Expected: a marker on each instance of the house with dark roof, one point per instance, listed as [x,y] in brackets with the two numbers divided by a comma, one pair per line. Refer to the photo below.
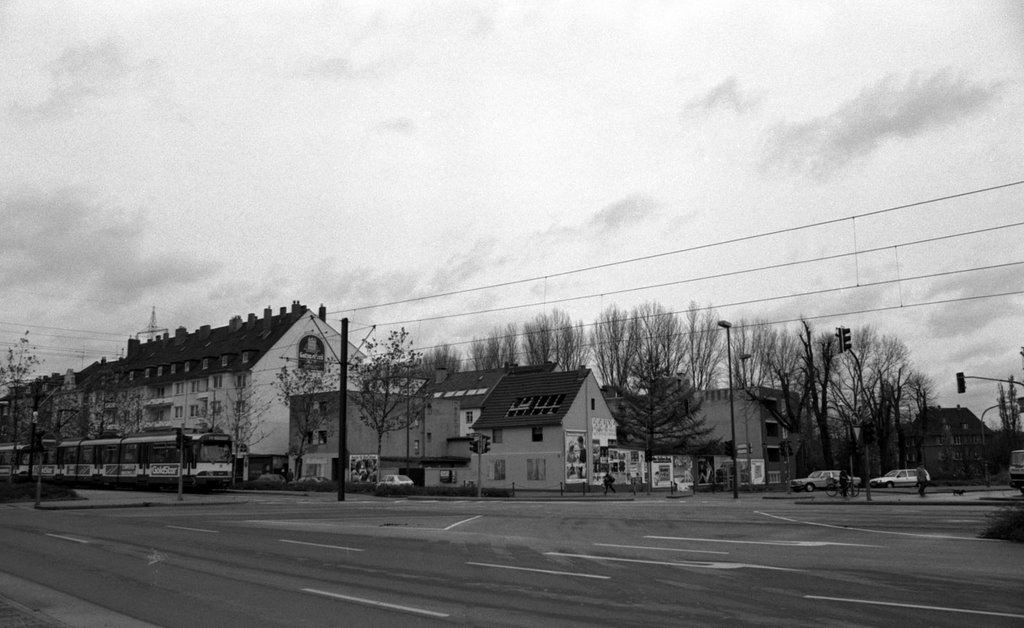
[547,429]
[950,442]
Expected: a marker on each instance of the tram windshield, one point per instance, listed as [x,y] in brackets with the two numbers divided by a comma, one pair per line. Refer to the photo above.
[219,451]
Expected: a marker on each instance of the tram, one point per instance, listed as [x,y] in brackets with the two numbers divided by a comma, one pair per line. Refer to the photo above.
[150,459]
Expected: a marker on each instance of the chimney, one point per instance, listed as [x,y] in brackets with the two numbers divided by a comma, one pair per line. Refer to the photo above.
[440,374]
[322,313]
[179,335]
[235,323]
[284,311]
[251,321]
[133,346]
[296,308]
[204,332]
[267,315]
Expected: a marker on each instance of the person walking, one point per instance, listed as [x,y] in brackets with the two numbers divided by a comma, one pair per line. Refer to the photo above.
[609,483]
[922,479]
[844,483]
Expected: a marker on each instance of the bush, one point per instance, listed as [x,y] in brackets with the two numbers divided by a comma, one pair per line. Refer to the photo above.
[26,491]
[1006,523]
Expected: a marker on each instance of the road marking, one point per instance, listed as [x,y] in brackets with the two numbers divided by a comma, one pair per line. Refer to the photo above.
[361,600]
[458,523]
[829,525]
[337,547]
[660,549]
[68,538]
[918,606]
[702,565]
[782,543]
[548,571]
[195,529]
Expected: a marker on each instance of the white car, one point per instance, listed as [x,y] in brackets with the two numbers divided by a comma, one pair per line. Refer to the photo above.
[818,480]
[396,480]
[898,477]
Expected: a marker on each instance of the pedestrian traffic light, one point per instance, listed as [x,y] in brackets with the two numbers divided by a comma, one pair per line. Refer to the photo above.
[845,344]
[961,383]
[867,432]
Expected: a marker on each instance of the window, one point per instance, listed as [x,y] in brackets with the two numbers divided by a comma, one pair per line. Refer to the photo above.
[147,372]
[321,437]
[159,371]
[957,440]
[179,412]
[131,376]
[771,429]
[130,453]
[535,469]
[535,405]
[593,403]
[215,408]
[223,360]
[416,446]
[199,385]
[206,363]
[186,366]
[774,477]
[245,357]
[469,417]
[538,434]
[179,388]
[174,369]
[497,470]
[160,392]
[497,435]
[193,410]
[240,381]
[218,381]
[428,436]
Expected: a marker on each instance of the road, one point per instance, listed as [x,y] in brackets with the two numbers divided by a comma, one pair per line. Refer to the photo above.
[294,560]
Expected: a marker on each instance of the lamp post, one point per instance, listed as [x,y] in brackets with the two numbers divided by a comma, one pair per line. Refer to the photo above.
[746,420]
[732,408]
[984,463]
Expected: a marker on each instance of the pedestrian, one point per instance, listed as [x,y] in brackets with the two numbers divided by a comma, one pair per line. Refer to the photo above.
[922,479]
[609,483]
[844,483]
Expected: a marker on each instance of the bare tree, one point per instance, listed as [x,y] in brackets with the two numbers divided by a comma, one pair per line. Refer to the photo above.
[818,357]
[15,371]
[242,417]
[704,350]
[299,389]
[386,380]
[499,348]
[661,351]
[613,341]
[921,391]
[443,356]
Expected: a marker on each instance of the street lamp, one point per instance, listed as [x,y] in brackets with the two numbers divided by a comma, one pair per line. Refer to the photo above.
[746,420]
[732,409]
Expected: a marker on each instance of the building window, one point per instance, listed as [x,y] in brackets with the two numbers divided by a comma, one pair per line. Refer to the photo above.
[496,471]
[179,412]
[497,435]
[193,411]
[771,429]
[536,470]
[159,371]
[186,366]
[957,440]
[179,388]
[218,381]
[593,403]
[245,357]
[240,381]
[131,376]
[538,434]
[206,363]
[174,369]
[215,408]
[223,360]
[429,435]
[416,446]
[321,437]
[774,477]
[469,417]
[147,372]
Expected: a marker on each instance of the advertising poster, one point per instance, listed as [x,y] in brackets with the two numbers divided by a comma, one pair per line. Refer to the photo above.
[363,468]
[661,468]
[575,457]
[682,472]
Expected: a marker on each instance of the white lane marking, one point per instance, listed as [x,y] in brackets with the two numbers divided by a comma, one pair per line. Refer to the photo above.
[668,563]
[458,523]
[829,525]
[155,557]
[782,543]
[361,600]
[195,529]
[68,538]
[548,571]
[337,547]
[660,549]
[917,606]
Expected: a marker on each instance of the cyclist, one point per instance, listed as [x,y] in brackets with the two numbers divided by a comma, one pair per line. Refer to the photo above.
[844,483]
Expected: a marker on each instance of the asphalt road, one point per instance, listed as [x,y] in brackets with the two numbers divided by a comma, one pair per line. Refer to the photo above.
[293,560]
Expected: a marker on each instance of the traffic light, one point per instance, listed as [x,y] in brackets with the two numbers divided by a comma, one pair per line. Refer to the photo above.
[179,438]
[961,383]
[485,444]
[867,432]
[727,447]
[845,344]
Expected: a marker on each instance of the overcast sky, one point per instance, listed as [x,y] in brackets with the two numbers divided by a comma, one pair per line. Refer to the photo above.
[213,159]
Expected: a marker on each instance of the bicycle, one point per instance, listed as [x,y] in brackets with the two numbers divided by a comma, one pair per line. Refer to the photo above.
[833,489]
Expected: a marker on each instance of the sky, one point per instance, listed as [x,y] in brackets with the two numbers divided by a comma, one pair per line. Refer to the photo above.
[450,167]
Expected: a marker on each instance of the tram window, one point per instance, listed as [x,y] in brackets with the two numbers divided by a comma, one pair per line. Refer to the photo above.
[130,453]
[215,452]
[108,455]
[163,453]
[5,457]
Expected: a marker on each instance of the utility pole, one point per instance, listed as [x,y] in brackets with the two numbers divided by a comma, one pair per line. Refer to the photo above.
[343,410]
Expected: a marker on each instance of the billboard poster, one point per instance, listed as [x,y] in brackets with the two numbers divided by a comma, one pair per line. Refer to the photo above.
[575,457]
[682,472]
[311,353]
[363,468]
[661,469]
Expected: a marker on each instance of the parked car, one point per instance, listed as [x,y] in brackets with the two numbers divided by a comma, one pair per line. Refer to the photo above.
[395,480]
[817,480]
[312,479]
[271,478]
[898,477]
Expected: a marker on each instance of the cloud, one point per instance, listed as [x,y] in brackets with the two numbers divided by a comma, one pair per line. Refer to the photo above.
[400,125]
[725,95]
[339,68]
[891,108]
[85,73]
[66,241]
[625,212]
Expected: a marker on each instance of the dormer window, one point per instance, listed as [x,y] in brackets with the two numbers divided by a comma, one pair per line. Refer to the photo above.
[186,366]
[159,371]
[147,371]
[245,357]
[224,360]
[206,363]
[131,376]
[174,367]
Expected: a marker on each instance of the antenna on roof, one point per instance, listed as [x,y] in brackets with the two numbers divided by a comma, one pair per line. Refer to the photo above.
[152,329]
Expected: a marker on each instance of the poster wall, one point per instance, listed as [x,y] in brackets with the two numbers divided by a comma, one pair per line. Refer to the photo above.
[363,468]
[575,457]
